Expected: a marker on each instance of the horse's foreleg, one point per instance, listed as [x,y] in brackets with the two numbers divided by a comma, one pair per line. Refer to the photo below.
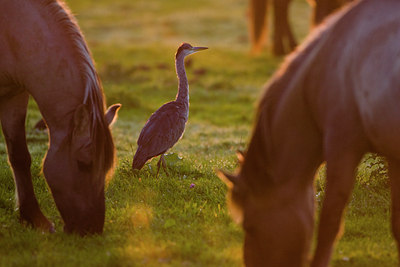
[341,167]
[279,16]
[290,40]
[394,174]
[258,24]
[284,40]
[13,113]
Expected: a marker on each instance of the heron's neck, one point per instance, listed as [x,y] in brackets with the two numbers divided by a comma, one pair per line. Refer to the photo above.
[183,86]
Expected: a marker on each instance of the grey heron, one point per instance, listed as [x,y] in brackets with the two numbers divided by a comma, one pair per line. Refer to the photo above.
[166,126]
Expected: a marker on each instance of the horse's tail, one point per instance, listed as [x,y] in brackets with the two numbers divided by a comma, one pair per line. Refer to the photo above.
[258,24]
[138,160]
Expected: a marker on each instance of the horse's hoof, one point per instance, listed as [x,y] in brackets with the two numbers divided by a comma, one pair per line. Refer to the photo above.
[50,228]
[39,222]
[46,226]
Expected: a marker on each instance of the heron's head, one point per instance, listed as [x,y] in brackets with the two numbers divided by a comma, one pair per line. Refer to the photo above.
[186,49]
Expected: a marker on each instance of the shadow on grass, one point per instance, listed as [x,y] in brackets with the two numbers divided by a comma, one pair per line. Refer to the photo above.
[359,261]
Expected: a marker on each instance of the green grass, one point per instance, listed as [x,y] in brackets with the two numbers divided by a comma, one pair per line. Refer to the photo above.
[153,222]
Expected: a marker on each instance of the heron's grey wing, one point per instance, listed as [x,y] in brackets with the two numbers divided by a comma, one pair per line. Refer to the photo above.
[163,129]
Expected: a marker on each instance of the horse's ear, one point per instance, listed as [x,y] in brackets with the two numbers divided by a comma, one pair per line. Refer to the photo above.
[229,179]
[235,197]
[81,135]
[111,114]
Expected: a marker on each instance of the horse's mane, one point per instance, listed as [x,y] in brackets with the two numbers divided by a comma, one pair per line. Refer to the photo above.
[291,75]
[93,94]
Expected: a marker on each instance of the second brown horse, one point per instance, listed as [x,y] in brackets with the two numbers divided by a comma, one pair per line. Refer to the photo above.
[283,38]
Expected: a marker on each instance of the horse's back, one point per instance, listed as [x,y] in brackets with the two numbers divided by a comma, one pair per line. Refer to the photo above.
[346,78]
[9,19]
[33,38]
[24,31]
[39,54]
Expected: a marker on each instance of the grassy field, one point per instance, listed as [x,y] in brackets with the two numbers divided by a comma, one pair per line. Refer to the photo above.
[165,221]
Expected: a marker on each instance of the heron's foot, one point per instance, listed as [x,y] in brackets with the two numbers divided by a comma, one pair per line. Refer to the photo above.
[162,162]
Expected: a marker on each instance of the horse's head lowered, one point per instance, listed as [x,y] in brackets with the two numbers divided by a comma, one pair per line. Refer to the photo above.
[245,209]
[273,225]
[76,169]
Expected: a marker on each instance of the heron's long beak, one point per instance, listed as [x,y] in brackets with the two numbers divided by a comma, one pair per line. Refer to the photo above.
[198,48]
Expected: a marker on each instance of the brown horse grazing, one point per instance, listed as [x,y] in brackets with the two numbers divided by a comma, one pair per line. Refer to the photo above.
[44,54]
[283,38]
[334,99]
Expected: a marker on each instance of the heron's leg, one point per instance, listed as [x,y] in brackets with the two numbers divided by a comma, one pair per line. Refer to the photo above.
[164,164]
[160,162]
[158,165]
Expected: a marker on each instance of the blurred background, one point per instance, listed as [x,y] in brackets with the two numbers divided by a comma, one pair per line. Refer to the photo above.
[221,24]
[134,42]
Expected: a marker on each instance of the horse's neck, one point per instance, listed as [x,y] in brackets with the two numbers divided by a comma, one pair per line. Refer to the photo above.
[282,132]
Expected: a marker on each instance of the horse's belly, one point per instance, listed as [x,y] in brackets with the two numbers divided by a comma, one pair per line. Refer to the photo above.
[379,110]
